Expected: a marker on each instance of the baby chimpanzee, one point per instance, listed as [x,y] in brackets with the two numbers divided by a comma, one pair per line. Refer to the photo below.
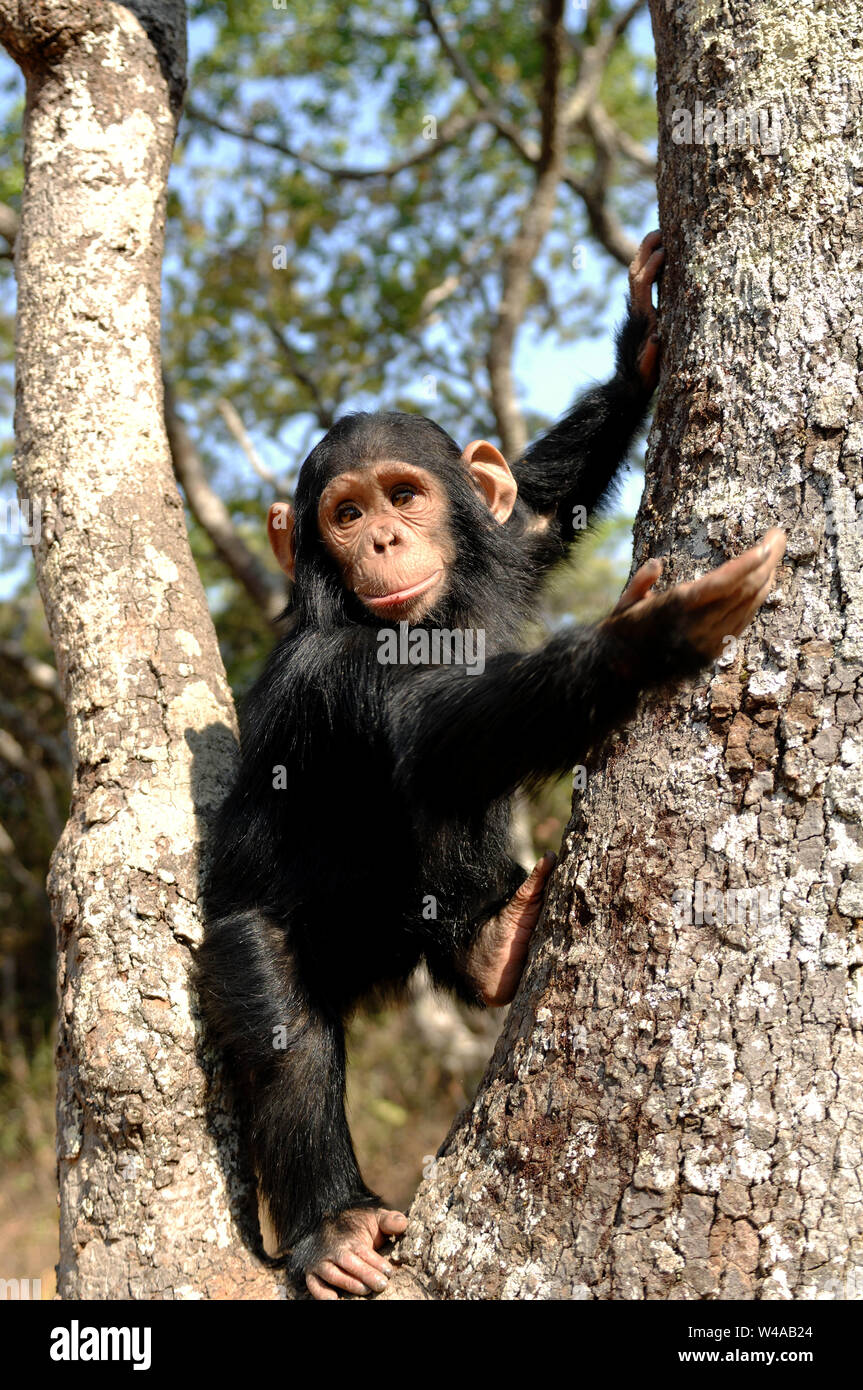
[367,830]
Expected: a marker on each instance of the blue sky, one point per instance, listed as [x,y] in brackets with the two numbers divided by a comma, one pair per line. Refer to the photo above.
[550,375]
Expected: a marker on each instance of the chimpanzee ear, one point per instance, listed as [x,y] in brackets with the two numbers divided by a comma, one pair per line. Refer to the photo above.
[491,475]
[280,529]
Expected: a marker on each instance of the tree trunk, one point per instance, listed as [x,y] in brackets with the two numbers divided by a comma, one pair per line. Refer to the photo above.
[146,1206]
[674,1108]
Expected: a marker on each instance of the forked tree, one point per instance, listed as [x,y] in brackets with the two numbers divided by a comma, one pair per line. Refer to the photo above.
[673,1108]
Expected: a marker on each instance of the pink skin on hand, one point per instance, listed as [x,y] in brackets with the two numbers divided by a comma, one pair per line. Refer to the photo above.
[718,605]
[498,957]
[351,1261]
[643,274]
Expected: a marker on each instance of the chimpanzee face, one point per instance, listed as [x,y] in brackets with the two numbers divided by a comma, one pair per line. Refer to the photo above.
[387,528]
[387,524]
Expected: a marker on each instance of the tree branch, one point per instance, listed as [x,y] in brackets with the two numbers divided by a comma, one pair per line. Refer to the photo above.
[28,731]
[232,419]
[449,130]
[15,867]
[594,190]
[438,295]
[212,515]
[14,756]
[324,412]
[488,107]
[603,222]
[621,140]
[525,245]
[8,224]
[593,62]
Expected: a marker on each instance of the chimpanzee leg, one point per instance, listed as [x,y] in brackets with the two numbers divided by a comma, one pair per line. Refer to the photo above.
[488,970]
[288,1056]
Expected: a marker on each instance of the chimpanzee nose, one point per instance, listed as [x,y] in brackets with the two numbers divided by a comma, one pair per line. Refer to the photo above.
[383,537]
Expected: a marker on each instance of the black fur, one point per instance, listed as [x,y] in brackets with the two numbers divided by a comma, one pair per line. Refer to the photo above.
[398,784]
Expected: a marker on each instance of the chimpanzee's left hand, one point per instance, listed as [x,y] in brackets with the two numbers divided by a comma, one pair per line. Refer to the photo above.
[643,273]
[705,611]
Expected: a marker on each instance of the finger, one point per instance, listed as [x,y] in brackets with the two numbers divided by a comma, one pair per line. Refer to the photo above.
[335,1276]
[368,1267]
[745,590]
[534,884]
[349,1274]
[648,359]
[726,579]
[741,616]
[541,873]
[379,1263]
[733,620]
[371,1268]
[645,250]
[651,267]
[318,1289]
[642,281]
[392,1223]
[359,1264]
[776,539]
[642,581]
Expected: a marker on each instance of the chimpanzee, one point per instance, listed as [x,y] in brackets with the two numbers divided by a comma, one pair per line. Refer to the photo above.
[367,829]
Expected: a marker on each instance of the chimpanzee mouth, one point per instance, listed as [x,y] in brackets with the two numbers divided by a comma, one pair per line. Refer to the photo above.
[397,597]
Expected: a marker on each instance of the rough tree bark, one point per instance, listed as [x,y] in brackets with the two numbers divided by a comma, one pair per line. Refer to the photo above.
[675,1107]
[146,1210]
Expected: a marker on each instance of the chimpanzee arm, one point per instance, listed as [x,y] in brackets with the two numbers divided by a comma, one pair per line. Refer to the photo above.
[461,741]
[575,463]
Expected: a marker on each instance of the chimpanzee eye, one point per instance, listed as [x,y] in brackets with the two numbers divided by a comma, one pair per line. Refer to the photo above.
[346,513]
[403,494]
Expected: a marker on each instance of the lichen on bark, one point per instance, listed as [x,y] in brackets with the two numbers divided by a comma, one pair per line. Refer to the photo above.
[674,1109]
[150,1185]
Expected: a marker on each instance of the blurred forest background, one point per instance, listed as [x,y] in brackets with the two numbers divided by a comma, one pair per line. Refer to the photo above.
[350,206]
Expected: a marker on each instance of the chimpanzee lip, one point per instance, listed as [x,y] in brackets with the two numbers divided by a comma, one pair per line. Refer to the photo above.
[399,596]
